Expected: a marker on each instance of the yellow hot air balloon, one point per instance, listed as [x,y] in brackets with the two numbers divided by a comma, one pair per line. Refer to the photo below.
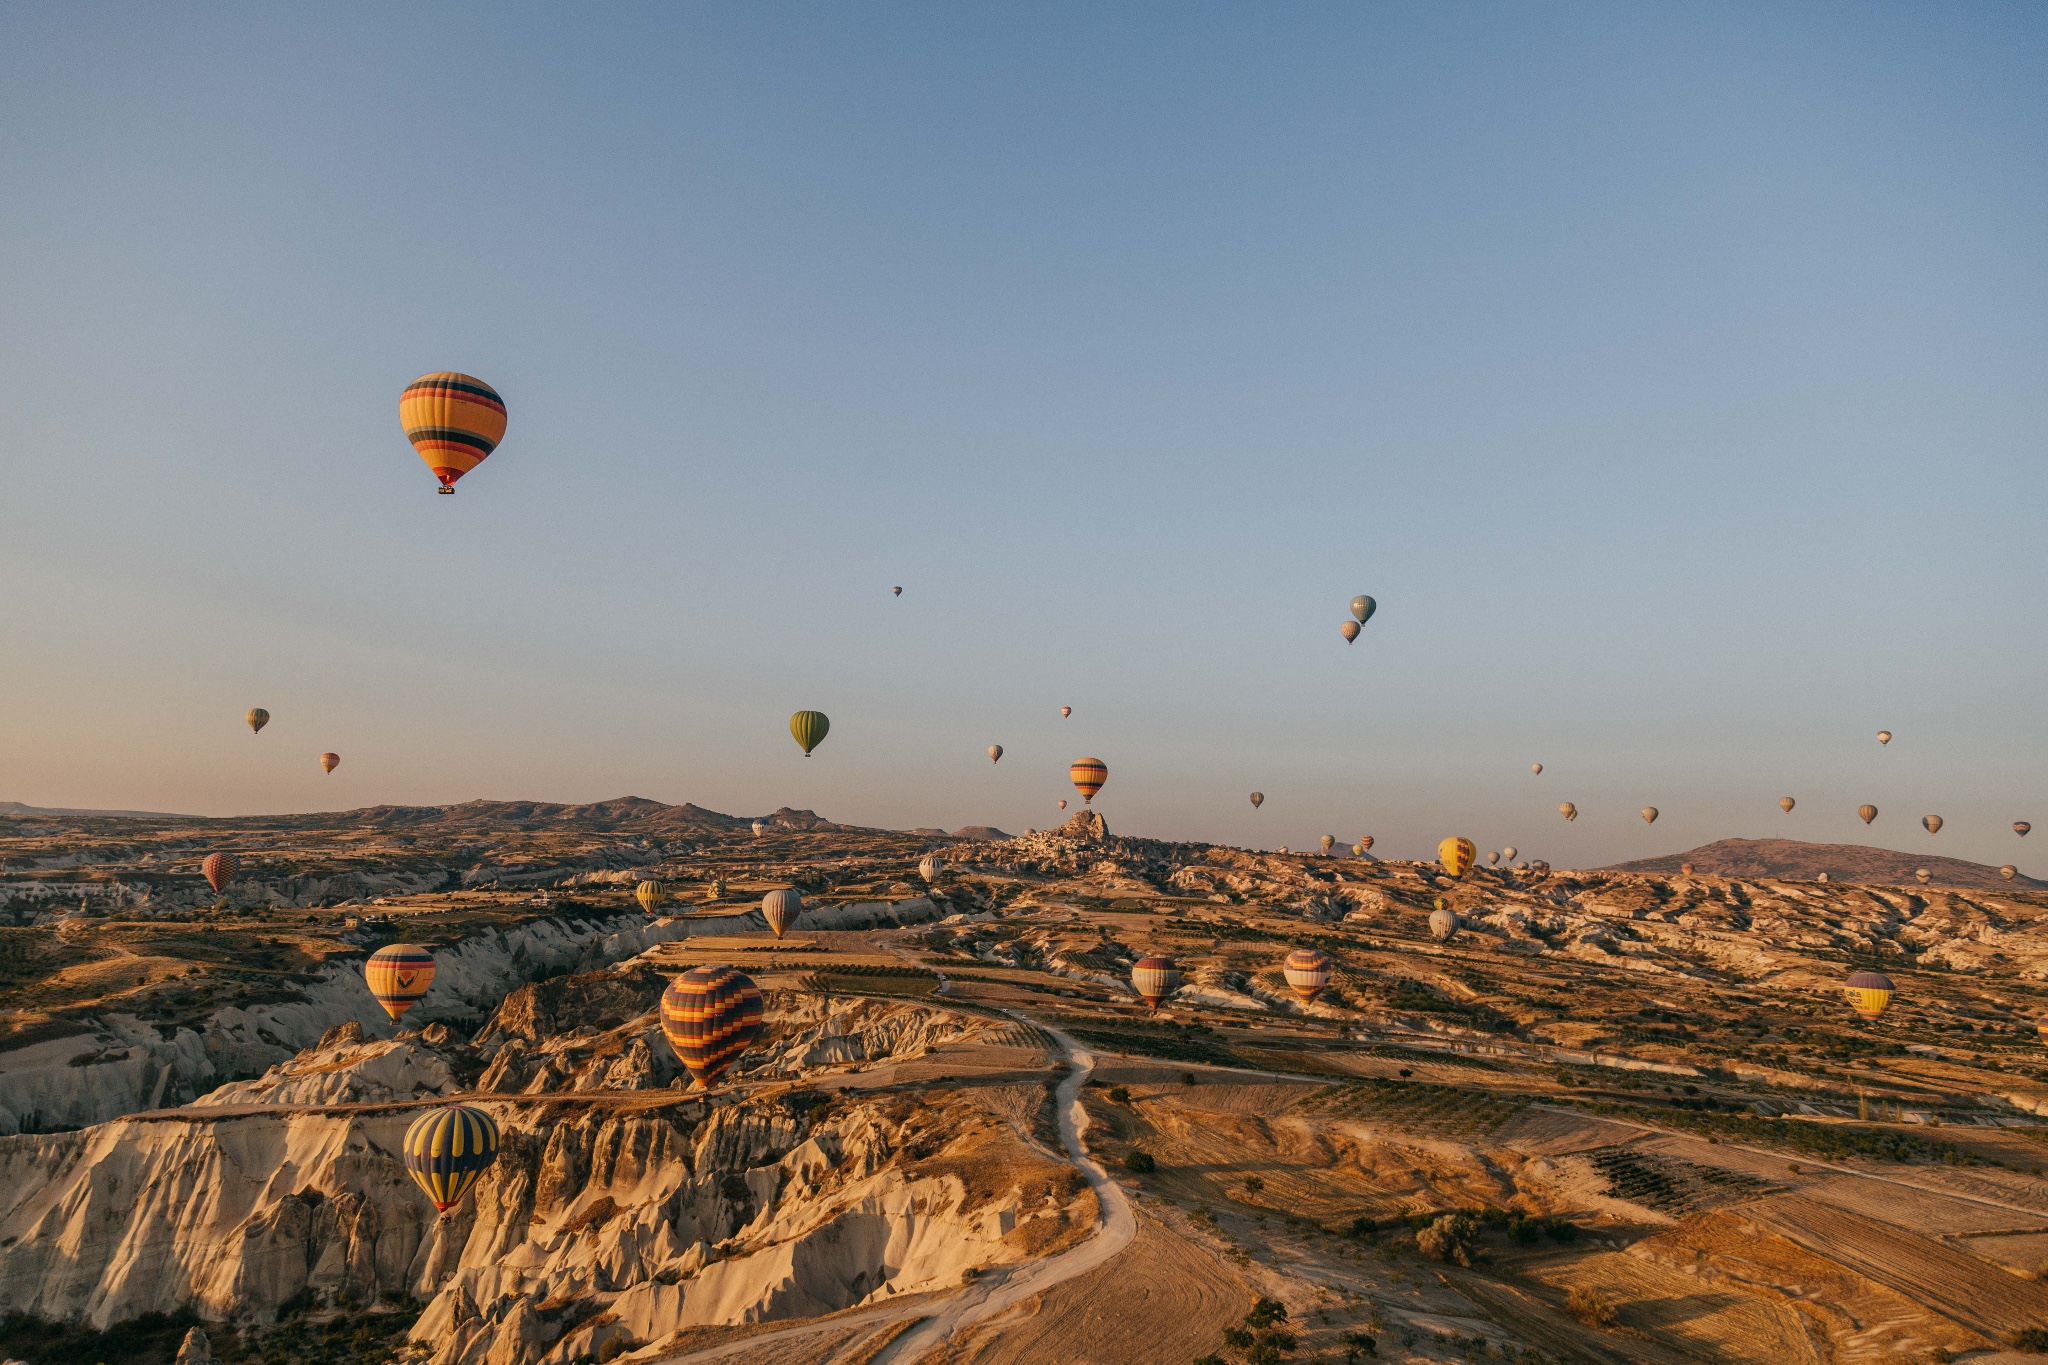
[1868,813]
[1088,775]
[1328,841]
[1922,875]
[650,895]
[398,974]
[1884,736]
[453,420]
[329,762]
[257,718]
[1568,811]
[447,1150]
[1456,853]
[1786,803]
[1649,815]
[1870,994]
[1931,823]
[809,727]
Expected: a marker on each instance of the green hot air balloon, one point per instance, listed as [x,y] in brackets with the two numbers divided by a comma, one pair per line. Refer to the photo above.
[1362,607]
[808,728]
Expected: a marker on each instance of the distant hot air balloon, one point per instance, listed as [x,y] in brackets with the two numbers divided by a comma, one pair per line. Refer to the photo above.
[2008,872]
[1456,854]
[2020,827]
[717,891]
[1649,815]
[1922,875]
[1365,841]
[1063,803]
[1884,736]
[329,762]
[1868,813]
[1685,869]
[219,869]
[1493,858]
[1258,799]
[1931,823]
[780,909]
[257,718]
[710,1015]
[1328,841]
[1088,775]
[650,895]
[1349,630]
[1154,978]
[1568,811]
[995,752]
[1443,923]
[398,975]
[1786,803]
[1358,850]
[896,592]
[1307,971]
[929,868]
[1362,608]
[1508,853]
[453,421]
[760,827]
[1870,994]
[1536,767]
[1820,877]
[809,728]
[1066,710]
[447,1150]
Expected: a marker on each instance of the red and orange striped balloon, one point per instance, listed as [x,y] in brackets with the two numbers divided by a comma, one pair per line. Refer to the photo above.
[220,869]
[710,1015]
[1154,978]
[1088,774]
[453,420]
[398,975]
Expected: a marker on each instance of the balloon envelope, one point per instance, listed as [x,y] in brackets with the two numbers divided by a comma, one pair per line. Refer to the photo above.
[1063,803]
[1786,803]
[1154,978]
[780,908]
[453,420]
[995,752]
[808,728]
[2008,872]
[447,1150]
[1362,608]
[1088,775]
[650,895]
[1457,853]
[1365,841]
[219,869]
[329,762]
[1568,811]
[928,868]
[1328,841]
[398,974]
[1307,971]
[257,718]
[1884,736]
[1932,823]
[1349,630]
[1870,994]
[896,592]
[710,1016]
[1649,815]
[2020,827]
[1258,799]
[1535,767]
[1868,813]
[760,827]
[1443,923]
[1922,876]
[1066,710]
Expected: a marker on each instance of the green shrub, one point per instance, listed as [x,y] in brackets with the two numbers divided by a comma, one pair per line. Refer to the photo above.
[2028,1339]
[1561,1229]
[1139,1162]
[1119,1094]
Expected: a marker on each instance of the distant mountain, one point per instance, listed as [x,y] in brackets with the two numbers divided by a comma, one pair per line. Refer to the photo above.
[979,832]
[1791,859]
[16,810]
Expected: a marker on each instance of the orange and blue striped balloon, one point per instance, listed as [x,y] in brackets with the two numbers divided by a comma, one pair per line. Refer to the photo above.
[448,1150]
[453,421]
[710,1015]
[398,975]
[1088,775]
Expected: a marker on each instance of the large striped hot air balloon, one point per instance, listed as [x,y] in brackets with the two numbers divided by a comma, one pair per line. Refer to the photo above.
[1456,853]
[257,718]
[650,895]
[929,867]
[1154,978]
[710,1015]
[398,974]
[219,869]
[808,728]
[1870,994]
[1088,774]
[447,1150]
[780,909]
[453,421]
[1307,971]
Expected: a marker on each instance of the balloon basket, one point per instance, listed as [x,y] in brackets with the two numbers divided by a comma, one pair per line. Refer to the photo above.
[449,491]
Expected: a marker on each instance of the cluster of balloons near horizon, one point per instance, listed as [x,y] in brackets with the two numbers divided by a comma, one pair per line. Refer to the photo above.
[257,718]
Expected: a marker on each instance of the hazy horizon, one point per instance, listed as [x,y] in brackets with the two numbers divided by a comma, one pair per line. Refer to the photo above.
[1673,381]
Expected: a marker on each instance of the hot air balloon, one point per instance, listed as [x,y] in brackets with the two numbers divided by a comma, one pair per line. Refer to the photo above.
[1358,850]
[447,1150]
[1365,841]
[1868,813]
[398,974]
[257,718]
[1921,875]
[1063,803]
[995,752]
[1349,630]
[1884,736]
[1568,811]
[1362,608]
[1328,841]
[929,868]
[1066,710]
[1154,978]
[1820,877]
[717,891]
[809,728]
[1931,823]
[760,827]
[453,421]
[329,762]
[1088,775]
[219,869]
[1443,923]
[1508,853]
[1456,854]
[780,909]
[1493,859]
[1685,869]
[1786,803]
[1649,815]
[710,1015]
[2020,827]
[1536,768]
[2008,872]
[650,895]
[896,592]
[1307,971]
[1258,799]
[1870,994]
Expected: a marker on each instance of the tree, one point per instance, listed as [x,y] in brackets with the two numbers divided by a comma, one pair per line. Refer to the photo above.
[1139,1162]
[1357,1344]
[1589,1306]
[1449,1239]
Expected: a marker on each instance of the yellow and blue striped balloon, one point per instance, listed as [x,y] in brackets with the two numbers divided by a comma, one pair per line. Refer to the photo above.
[710,1015]
[453,420]
[398,975]
[447,1151]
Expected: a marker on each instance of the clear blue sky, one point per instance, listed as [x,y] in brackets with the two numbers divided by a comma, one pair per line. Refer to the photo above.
[1673,376]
